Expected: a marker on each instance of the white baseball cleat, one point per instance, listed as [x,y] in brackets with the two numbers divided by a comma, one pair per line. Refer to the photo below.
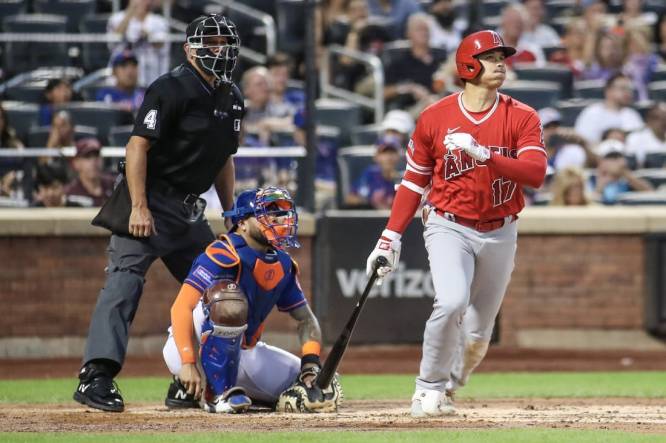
[431,403]
[234,401]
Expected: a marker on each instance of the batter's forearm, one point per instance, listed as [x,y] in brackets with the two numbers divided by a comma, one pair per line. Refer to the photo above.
[136,164]
[404,207]
[529,169]
[225,183]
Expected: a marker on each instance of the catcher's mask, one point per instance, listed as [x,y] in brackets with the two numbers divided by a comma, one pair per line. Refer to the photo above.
[274,209]
[214,43]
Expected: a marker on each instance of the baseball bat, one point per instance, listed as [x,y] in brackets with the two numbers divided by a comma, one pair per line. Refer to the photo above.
[340,345]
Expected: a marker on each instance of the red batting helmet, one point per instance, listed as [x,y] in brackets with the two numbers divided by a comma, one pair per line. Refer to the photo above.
[472,46]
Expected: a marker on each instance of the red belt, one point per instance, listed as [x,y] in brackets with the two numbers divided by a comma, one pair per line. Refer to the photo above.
[479,225]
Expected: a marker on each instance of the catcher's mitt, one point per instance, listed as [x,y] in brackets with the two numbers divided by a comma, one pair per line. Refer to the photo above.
[301,398]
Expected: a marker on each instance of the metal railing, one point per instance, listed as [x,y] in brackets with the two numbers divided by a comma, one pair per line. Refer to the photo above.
[29,156]
[376,102]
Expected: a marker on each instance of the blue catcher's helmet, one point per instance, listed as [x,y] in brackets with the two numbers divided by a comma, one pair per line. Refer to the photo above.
[275,211]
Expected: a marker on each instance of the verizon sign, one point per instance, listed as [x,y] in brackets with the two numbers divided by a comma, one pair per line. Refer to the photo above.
[397,310]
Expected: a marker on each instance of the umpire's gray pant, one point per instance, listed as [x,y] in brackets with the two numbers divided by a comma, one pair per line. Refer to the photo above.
[178,242]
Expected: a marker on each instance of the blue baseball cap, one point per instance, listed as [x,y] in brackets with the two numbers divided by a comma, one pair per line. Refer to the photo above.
[123,57]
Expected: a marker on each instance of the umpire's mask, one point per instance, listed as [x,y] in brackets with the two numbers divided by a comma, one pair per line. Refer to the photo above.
[215,44]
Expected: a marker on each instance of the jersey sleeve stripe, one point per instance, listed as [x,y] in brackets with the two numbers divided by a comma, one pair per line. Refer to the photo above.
[412,163]
[412,186]
[416,171]
[531,148]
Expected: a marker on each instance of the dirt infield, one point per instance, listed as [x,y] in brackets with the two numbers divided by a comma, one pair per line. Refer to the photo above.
[635,415]
[384,360]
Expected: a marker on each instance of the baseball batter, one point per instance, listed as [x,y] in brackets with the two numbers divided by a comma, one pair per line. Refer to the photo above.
[475,149]
[228,293]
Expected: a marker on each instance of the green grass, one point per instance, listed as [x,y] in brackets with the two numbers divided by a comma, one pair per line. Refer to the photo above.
[448,436]
[386,387]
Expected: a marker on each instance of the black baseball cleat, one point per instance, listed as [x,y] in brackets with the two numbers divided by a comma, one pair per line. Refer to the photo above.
[178,398]
[97,390]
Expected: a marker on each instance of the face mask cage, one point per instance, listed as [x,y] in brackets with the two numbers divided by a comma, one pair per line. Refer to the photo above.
[275,212]
[216,47]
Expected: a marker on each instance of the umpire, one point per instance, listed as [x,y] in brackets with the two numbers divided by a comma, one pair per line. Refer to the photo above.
[184,136]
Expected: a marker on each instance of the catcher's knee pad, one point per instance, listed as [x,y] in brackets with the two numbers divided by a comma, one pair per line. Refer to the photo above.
[226,307]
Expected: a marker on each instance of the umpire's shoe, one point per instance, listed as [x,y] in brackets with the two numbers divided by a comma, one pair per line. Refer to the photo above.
[178,398]
[97,390]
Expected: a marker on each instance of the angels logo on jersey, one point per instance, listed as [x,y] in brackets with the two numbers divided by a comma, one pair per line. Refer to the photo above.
[457,162]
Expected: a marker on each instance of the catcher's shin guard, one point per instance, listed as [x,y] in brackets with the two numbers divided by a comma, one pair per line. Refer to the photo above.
[219,359]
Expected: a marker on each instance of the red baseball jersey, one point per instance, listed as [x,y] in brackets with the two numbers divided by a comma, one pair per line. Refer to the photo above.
[460,184]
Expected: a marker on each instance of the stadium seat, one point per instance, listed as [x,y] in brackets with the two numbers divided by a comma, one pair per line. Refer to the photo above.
[338,113]
[548,51]
[492,8]
[642,198]
[589,89]
[38,136]
[655,160]
[29,86]
[550,72]
[100,115]
[251,31]
[659,74]
[537,94]
[25,56]
[94,55]
[559,8]
[632,162]
[654,174]
[74,10]
[657,90]
[32,92]
[290,23]
[22,116]
[571,108]
[12,7]
[351,163]
[397,48]
[365,135]
[120,135]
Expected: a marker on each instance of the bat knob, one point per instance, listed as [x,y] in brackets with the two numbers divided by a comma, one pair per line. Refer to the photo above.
[381,262]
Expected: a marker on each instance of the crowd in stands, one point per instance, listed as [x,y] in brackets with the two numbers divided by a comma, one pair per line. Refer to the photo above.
[605,131]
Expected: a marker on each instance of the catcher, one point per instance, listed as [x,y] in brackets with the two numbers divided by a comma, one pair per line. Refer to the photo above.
[230,290]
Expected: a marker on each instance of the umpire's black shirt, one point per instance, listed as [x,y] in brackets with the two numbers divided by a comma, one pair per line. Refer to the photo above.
[192,129]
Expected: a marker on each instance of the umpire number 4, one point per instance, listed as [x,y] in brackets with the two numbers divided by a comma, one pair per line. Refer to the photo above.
[151,119]
[502,191]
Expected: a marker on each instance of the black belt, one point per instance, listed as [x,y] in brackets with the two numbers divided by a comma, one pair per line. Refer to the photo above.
[167,190]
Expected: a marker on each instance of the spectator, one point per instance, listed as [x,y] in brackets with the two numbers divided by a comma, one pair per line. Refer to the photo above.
[536,30]
[409,77]
[568,188]
[147,34]
[565,148]
[641,61]
[126,92]
[633,16]
[652,138]
[91,187]
[8,137]
[660,36]
[446,29]
[61,134]
[376,185]
[279,67]
[513,24]
[49,187]
[397,126]
[613,112]
[608,56]
[263,116]
[58,92]
[610,145]
[8,166]
[399,11]
[573,52]
[614,178]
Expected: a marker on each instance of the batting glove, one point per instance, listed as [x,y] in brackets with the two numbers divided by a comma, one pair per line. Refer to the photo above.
[388,247]
[467,143]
